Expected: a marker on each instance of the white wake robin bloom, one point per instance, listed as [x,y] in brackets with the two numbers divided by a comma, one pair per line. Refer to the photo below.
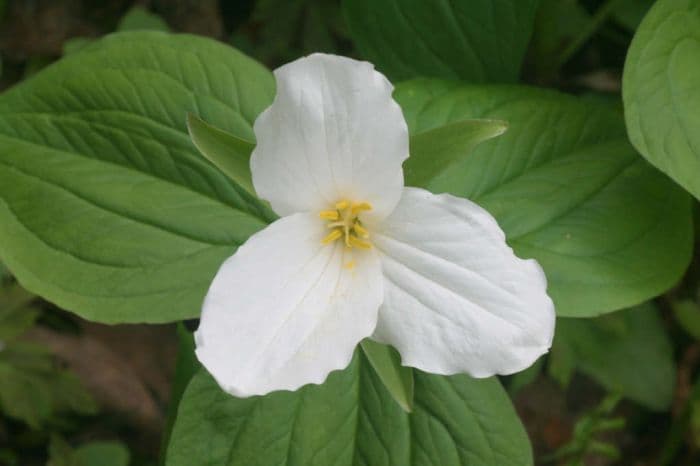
[356,254]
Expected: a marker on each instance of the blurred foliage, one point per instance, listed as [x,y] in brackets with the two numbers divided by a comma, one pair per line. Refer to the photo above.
[627,352]
[279,31]
[687,314]
[88,454]
[136,19]
[586,436]
[140,19]
[629,13]
[32,388]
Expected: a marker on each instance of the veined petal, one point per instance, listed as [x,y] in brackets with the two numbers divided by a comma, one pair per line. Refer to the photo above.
[285,310]
[457,299]
[333,132]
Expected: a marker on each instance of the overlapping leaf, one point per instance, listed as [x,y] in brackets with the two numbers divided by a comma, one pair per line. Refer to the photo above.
[106,207]
[569,191]
[661,91]
[351,420]
[473,40]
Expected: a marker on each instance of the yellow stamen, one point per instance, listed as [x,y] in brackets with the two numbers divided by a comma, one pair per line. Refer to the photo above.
[350,265]
[332,236]
[360,206]
[357,242]
[361,231]
[329,214]
[344,222]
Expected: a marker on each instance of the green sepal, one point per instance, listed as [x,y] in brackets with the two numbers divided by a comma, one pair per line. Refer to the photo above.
[227,152]
[397,379]
[434,150]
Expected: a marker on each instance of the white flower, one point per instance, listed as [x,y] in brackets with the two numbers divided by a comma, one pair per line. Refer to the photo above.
[356,254]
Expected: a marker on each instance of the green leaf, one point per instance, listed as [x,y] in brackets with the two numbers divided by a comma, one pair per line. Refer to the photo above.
[69,395]
[106,207]
[285,30]
[629,13]
[435,150]
[557,25]
[60,452]
[229,153]
[102,454]
[4,273]
[186,366]
[15,314]
[88,454]
[627,352]
[351,419]
[23,395]
[76,44]
[687,314]
[609,230]
[397,379]
[522,379]
[661,92]
[140,19]
[473,40]
[32,389]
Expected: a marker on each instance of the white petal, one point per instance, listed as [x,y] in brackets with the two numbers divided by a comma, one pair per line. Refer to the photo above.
[333,132]
[457,299]
[285,310]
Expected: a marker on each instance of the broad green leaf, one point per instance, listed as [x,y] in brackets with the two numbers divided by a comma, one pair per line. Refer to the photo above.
[435,150]
[351,420]
[397,379]
[473,40]
[139,19]
[609,230]
[106,207]
[229,153]
[661,92]
[628,352]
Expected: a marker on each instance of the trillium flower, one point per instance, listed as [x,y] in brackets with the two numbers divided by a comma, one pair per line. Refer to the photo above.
[355,254]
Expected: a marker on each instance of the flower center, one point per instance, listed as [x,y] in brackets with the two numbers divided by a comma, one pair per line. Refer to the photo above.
[344,223]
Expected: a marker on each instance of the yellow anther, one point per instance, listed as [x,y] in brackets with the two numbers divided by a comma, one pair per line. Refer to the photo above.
[332,236]
[361,231]
[344,222]
[350,265]
[357,242]
[360,206]
[329,214]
